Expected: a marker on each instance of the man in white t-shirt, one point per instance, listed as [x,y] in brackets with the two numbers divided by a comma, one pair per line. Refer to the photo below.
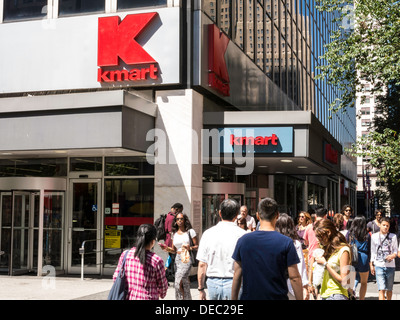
[215,253]
[251,222]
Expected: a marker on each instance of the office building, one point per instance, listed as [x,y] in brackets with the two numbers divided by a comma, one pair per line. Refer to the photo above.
[113,110]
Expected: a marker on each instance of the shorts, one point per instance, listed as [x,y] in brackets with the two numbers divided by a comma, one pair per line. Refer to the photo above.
[336,296]
[384,278]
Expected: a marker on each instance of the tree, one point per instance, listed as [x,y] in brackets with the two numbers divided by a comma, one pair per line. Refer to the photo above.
[365,47]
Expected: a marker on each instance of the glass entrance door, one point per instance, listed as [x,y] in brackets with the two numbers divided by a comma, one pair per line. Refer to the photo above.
[213,195]
[85,225]
[19,211]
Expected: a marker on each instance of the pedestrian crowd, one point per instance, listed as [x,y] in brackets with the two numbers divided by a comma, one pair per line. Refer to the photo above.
[267,257]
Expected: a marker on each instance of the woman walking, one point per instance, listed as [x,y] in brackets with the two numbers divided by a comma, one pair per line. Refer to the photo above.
[304,220]
[144,269]
[182,232]
[336,259]
[358,234]
[285,225]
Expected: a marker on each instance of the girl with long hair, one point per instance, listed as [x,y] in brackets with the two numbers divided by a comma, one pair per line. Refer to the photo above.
[285,225]
[359,235]
[304,219]
[336,259]
[144,269]
[182,232]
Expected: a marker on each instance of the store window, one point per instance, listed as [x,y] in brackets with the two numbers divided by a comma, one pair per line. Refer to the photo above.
[129,4]
[69,7]
[21,10]
[128,166]
[56,167]
[86,164]
[280,192]
[128,203]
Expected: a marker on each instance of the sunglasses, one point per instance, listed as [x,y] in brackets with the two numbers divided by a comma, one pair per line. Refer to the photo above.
[179,219]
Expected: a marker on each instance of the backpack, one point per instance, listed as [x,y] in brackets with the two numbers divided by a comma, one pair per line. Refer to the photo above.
[160,226]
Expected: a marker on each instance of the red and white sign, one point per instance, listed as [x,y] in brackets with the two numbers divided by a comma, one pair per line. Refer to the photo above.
[218,77]
[117,43]
[331,154]
[258,141]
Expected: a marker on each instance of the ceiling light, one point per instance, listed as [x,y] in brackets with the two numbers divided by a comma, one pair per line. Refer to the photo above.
[286,160]
[302,167]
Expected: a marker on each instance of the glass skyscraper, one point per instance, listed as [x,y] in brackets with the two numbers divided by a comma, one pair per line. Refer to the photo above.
[285,39]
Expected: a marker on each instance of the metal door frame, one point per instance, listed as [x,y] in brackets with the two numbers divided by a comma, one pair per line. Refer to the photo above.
[32,185]
[77,269]
[30,227]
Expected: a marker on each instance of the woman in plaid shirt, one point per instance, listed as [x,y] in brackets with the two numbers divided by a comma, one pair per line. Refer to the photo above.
[144,269]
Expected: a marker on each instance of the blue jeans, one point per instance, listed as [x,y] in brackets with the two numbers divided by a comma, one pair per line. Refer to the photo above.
[384,278]
[219,288]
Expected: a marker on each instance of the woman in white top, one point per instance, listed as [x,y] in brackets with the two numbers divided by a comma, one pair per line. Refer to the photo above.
[285,225]
[181,229]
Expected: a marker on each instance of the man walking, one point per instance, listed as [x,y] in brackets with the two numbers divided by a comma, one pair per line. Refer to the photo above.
[169,221]
[215,253]
[265,259]
[244,213]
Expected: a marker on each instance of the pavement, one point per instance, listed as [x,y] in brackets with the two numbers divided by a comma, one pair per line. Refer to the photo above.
[26,287]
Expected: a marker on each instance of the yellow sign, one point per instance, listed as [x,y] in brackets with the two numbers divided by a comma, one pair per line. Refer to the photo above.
[112,239]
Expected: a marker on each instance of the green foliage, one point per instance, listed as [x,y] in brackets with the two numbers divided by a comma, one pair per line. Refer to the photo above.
[366,46]
[382,151]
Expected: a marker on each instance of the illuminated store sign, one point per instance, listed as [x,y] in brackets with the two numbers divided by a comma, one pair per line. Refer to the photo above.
[117,43]
[257,139]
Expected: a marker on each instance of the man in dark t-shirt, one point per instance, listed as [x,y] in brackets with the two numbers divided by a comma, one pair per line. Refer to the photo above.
[264,259]
[169,221]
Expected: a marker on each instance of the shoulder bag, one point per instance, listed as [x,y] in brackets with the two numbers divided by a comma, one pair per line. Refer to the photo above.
[354,251]
[119,289]
[193,253]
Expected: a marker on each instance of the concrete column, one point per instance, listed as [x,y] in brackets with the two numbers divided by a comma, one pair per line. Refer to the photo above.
[178,168]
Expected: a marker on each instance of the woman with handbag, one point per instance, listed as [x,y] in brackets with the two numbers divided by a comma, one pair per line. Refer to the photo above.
[144,270]
[359,235]
[181,245]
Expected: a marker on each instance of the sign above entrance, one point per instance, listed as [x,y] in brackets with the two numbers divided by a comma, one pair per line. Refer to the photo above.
[117,41]
[218,77]
[257,139]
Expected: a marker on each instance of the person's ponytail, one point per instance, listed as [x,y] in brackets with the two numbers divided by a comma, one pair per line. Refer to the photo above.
[145,234]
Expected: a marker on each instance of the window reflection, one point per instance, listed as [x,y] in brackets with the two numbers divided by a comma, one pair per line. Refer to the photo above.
[67,7]
[128,4]
[22,9]
[285,39]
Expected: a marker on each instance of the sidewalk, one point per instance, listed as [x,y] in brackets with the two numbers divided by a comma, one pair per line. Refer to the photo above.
[73,288]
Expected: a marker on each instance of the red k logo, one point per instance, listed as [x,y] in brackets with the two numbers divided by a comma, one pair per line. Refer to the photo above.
[218,77]
[116,39]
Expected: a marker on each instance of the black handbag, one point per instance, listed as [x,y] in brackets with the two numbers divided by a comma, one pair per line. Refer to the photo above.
[193,253]
[119,289]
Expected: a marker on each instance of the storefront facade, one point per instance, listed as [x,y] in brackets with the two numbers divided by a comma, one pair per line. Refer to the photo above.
[113,118]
